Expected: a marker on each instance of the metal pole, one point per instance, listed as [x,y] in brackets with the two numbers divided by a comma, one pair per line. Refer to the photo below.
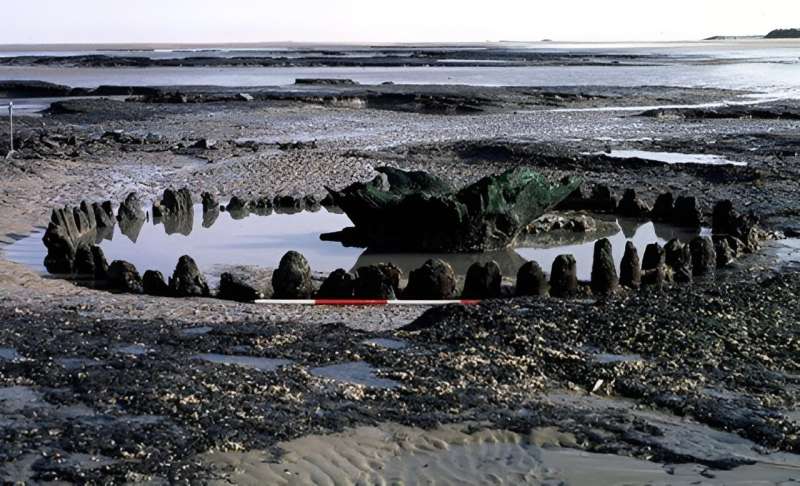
[364,302]
[11,126]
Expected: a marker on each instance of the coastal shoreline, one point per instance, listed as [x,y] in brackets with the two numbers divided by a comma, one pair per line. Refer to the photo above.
[130,367]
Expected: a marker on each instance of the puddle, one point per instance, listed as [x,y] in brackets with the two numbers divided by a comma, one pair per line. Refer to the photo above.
[9,354]
[387,343]
[77,363]
[787,251]
[605,358]
[29,468]
[133,349]
[261,241]
[196,331]
[16,398]
[19,399]
[260,364]
[140,419]
[672,157]
[249,239]
[682,435]
[356,373]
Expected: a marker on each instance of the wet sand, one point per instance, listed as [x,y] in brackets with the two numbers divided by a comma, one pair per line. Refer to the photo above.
[469,454]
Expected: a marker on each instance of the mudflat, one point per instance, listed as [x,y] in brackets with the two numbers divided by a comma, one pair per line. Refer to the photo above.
[627,388]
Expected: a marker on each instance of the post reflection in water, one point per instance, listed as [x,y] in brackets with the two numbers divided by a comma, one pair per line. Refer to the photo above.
[217,240]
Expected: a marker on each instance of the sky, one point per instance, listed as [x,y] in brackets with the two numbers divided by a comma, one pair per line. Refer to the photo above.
[208,21]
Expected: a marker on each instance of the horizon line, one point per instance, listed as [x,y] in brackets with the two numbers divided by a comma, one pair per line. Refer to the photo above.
[156,44]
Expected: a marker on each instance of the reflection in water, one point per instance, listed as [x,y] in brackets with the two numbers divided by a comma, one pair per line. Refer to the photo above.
[250,240]
[629,227]
[131,228]
[217,239]
[644,234]
[181,223]
[210,217]
[104,233]
[508,260]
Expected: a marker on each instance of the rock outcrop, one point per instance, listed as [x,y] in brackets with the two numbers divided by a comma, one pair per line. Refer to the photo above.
[783,34]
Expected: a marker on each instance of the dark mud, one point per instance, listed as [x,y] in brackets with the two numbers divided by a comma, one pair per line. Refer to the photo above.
[90,394]
[732,366]
[430,99]
[772,111]
[368,57]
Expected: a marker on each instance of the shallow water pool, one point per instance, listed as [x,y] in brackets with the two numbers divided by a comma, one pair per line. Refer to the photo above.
[355,373]
[673,157]
[9,354]
[249,240]
[252,362]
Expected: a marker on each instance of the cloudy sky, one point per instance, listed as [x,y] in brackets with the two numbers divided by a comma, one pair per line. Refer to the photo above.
[106,21]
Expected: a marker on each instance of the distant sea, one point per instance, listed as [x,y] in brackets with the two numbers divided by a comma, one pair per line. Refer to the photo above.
[765,66]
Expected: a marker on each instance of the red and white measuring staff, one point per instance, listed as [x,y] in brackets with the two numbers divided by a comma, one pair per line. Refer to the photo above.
[364,302]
